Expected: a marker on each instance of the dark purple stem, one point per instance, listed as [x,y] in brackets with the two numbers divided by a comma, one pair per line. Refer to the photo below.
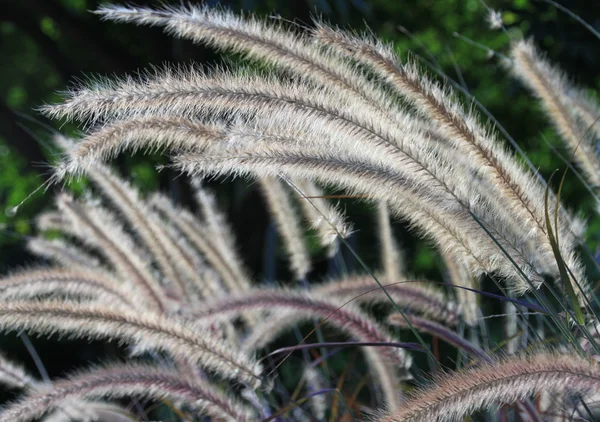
[410,346]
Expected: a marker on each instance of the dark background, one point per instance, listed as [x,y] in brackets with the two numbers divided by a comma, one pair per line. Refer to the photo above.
[47,44]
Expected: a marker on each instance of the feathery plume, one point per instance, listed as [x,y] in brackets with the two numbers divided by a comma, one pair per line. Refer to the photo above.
[221,235]
[266,42]
[149,133]
[459,275]
[75,283]
[191,267]
[147,331]
[391,259]
[551,86]
[327,220]
[585,108]
[127,380]
[461,393]
[14,375]
[63,253]
[523,195]
[146,224]
[53,220]
[99,229]
[511,327]
[89,411]
[288,226]
[315,382]
[199,238]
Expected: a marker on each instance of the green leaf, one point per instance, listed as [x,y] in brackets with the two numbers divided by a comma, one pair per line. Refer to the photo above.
[562,268]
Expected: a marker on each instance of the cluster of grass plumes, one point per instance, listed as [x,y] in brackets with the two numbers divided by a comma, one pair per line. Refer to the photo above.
[332,110]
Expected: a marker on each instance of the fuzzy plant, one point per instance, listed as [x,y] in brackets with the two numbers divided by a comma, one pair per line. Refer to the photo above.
[327,109]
